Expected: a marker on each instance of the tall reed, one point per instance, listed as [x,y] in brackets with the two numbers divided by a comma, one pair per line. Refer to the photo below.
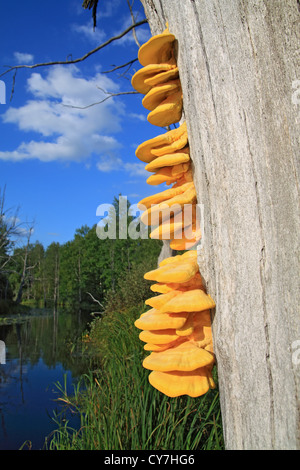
[118,408]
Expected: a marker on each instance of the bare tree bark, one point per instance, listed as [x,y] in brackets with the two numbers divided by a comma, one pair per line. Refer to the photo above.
[238,68]
[25,267]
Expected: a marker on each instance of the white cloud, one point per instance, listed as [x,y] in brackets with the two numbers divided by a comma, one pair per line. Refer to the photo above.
[136,169]
[111,162]
[23,57]
[140,117]
[96,36]
[64,132]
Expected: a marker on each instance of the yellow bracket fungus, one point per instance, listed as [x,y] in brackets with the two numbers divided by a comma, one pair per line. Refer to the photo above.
[159,49]
[159,93]
[185,357]
[155,320]
[174,384]
[163,144]
[168,112]
[163,196]
[147,77]
[191,301]
[170,159]
[177,328]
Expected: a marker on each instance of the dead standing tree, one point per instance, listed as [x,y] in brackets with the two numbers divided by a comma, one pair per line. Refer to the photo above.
[238,70]
[238,63]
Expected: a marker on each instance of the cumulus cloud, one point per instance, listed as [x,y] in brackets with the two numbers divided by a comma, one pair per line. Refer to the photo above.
[23,58]
[63,130]
[110,162]
[136,169]
[96,36]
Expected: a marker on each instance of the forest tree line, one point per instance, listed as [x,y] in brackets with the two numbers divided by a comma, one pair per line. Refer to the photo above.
[85,272]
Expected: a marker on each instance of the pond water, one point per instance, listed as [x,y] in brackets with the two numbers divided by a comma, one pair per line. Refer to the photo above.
[39,353]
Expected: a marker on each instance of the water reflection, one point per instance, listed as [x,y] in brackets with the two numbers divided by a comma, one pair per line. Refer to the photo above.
[40,350]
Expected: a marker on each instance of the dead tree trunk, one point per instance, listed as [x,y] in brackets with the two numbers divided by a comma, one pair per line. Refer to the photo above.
[238,68]
[25,268]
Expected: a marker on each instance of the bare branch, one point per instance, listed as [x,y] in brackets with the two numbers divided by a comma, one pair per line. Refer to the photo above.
[133,22]
[80,59]
[110,95]
[121,66]
[95,300]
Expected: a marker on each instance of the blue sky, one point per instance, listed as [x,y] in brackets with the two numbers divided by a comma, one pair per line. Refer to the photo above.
[59,163]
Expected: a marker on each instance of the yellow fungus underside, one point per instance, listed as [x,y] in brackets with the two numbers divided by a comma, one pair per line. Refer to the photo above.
[174,384]
[167,112]
[185,357]
[190,301]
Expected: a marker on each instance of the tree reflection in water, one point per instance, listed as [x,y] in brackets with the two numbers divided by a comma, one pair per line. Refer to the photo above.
[40,350]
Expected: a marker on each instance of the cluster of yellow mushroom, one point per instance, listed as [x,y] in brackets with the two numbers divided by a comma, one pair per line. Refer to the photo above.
[177,328]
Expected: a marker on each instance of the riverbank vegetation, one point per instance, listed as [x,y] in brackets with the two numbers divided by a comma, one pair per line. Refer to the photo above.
[117,407]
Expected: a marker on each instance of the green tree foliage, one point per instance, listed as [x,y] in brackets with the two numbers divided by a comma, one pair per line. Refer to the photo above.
[86,268]
[8,231]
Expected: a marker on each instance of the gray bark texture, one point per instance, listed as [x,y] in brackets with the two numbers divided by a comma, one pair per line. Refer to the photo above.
[239,70]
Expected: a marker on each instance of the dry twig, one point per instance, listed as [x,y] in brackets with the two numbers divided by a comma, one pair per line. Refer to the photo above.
[80,59]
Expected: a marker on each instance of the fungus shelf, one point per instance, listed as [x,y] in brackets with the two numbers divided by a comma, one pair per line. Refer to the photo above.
[177,329]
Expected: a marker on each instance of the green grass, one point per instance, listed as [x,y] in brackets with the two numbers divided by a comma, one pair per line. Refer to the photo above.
[120,410]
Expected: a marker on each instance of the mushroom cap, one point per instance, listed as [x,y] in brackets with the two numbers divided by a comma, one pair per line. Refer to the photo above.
[157,94]
[166,175]
[174,384]
[186,356]
[175,269]
[159,300]
[165,143]
[157,49]
[184,243]
[180,168]
[160,211]
[186,178]
[180,156]
[195,283]
[167,265]
[186,238]
[187,328]
[173,273]
[148,201]
[163,76]
[155,347]
[189,256]
[144,79]
[168,112]
[166,229]
[158,336]
[161,288]
[155,320]
[163,347]
[190,301]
